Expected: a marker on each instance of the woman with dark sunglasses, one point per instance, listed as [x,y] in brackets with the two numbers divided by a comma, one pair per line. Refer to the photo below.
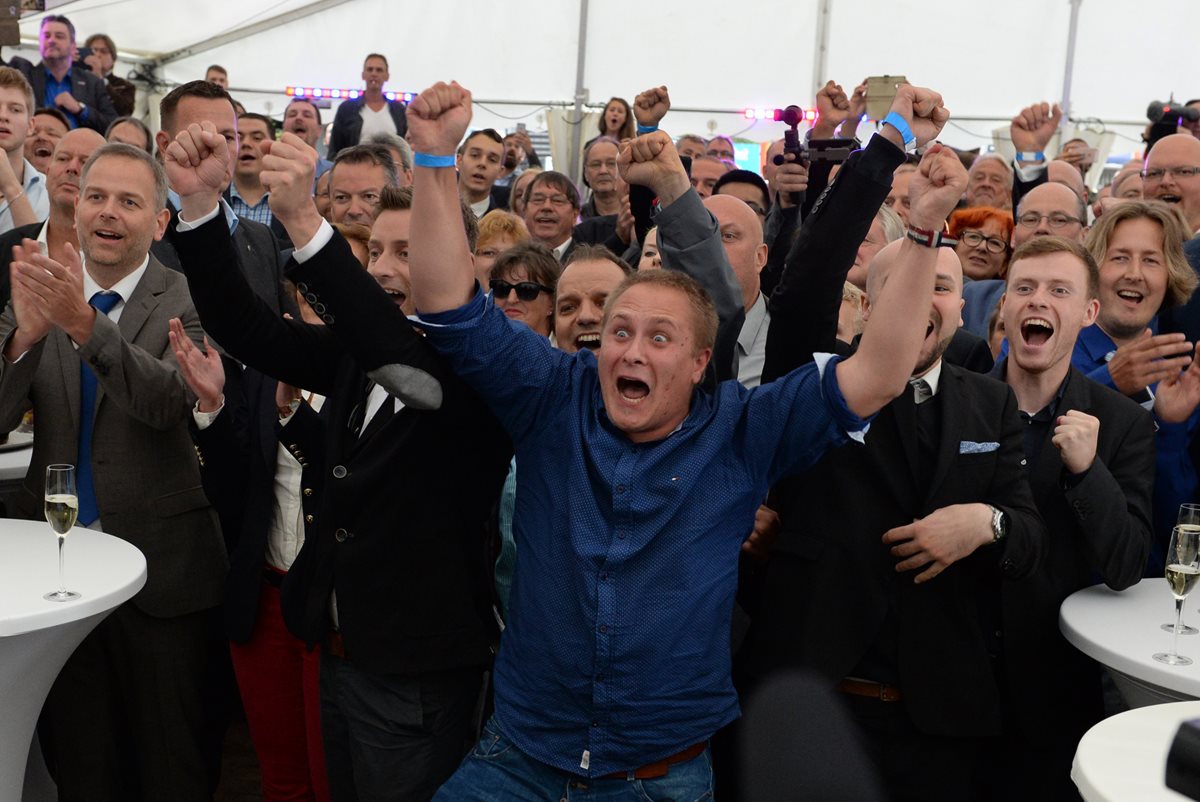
[522,285]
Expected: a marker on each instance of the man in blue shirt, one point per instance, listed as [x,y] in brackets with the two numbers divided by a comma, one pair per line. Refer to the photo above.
[57,83]
[636,488]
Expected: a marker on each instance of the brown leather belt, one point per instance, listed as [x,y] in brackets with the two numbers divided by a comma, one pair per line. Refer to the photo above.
[662,767]
[869,689]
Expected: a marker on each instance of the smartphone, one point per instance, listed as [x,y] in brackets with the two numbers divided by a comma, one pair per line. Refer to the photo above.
[84,52]
[881,91]
[520,127]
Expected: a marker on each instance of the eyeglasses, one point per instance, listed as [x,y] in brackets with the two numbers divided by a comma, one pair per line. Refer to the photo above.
[973,239]
[1157,173]
[526,290]
[1056,220]
[553,200]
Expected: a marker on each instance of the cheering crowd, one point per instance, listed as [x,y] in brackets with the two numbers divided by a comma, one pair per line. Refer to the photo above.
[493,490]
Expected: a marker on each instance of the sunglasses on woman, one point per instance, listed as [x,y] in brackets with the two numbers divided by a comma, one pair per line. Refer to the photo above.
[526,290]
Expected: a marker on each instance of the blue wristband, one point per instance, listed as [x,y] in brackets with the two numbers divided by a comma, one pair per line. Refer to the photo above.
[896,121]
[430,160]
[646,129]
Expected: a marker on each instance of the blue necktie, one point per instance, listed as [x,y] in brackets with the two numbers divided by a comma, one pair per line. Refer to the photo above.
[88,511]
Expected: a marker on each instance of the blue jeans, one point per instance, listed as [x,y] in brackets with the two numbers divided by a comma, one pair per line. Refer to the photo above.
[496,771]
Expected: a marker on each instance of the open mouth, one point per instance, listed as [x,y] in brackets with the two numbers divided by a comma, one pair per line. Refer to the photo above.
[1132,296]
[106,234]
[1169,198]
[1036,331]
[929,329]
[633,390]
[589,340]
[396,295]
[43,151]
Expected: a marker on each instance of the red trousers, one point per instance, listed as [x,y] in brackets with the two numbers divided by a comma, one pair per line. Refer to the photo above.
[278,681]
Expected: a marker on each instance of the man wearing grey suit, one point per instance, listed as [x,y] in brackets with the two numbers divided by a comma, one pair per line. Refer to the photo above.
[124,719]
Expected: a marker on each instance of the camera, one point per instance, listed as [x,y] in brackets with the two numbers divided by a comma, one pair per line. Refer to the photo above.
[1165,119]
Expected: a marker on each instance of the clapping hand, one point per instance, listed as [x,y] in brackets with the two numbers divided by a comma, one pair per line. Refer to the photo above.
[201,370]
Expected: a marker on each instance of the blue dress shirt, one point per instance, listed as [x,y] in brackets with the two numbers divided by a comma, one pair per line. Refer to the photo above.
[617,648]
[54,88]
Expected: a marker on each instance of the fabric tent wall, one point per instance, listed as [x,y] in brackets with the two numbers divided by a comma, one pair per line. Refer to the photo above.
[717,57]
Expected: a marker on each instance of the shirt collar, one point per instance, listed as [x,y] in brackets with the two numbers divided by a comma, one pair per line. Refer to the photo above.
[231,217]
[932,377]
[32,176]
[233,191]
[124,287]
[755,317]
[561,249]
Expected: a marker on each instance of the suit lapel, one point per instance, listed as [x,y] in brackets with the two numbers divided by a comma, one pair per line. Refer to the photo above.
[953,409]
[138,306]
[894,433]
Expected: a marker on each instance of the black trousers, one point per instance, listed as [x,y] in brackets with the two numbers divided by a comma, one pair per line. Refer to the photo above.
[917,767]
[125,719]
[394,737]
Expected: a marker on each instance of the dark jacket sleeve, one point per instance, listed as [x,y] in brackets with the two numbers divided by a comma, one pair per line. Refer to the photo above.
[300,354]
[1112,503]
[346,127]
[100,108]
[689,240]
[1021,188]
[805,302]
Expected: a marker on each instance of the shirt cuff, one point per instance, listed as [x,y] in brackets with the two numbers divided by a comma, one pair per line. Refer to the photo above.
[855,427]
[467,314]
[1029,172]
[188,225]
[314,245]
[205,419]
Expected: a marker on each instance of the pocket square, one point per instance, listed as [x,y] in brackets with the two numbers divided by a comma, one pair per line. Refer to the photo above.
[971,447]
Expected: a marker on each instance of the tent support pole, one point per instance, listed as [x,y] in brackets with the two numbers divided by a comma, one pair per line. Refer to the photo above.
[581,95]
[821,49]
[1069,69]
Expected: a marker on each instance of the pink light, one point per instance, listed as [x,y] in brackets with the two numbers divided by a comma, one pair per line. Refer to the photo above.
[810,114]
[750,114]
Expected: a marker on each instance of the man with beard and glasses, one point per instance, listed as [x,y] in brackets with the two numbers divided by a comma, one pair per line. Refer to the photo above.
[927,519]
[519,155]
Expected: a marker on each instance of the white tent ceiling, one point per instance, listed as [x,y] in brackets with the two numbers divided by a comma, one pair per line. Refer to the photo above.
[987,59]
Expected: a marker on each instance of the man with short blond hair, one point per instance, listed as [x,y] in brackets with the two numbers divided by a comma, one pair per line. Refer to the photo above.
[24,189]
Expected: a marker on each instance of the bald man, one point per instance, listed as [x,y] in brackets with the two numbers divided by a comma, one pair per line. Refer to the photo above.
[1165,179]
[62,185]
[742,236]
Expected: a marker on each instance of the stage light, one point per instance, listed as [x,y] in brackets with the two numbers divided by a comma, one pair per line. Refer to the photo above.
[341,94]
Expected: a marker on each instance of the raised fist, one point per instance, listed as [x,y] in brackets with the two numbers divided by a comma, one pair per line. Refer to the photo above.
[651,161]
[651,106]
[197,161]
[1034,127]
[936,188]
[438,119]
[833,108]
[922,109]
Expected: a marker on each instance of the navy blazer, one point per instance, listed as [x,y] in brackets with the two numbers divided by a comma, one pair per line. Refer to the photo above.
[86,87]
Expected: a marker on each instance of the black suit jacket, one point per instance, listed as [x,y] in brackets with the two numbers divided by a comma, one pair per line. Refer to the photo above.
[399,530]
[7,240]
[86,87]
[347,123]
[1097,530]
[827,588]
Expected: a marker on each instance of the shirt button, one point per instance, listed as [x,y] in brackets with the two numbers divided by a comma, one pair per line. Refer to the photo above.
[339,471]
[620,488]
[308,519]
[339,535]
[604,627]
[604,577]
[308,491]
[620,535]
[1022,462]
[595,723]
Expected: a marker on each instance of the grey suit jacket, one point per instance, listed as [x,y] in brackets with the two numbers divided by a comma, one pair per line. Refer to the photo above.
[145,469]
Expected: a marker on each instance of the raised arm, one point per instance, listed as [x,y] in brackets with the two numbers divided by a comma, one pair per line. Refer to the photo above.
[443,272]
[688,236]
[877,373]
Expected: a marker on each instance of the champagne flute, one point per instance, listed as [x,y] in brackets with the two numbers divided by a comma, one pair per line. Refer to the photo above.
[62,506]
[1189,515]
[1183,571]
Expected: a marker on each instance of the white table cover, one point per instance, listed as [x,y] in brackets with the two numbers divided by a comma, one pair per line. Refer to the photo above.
[1124,758]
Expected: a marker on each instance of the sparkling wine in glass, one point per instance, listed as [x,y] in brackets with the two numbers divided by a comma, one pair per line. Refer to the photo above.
[1183,571]
[1189,515]
[62,506]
